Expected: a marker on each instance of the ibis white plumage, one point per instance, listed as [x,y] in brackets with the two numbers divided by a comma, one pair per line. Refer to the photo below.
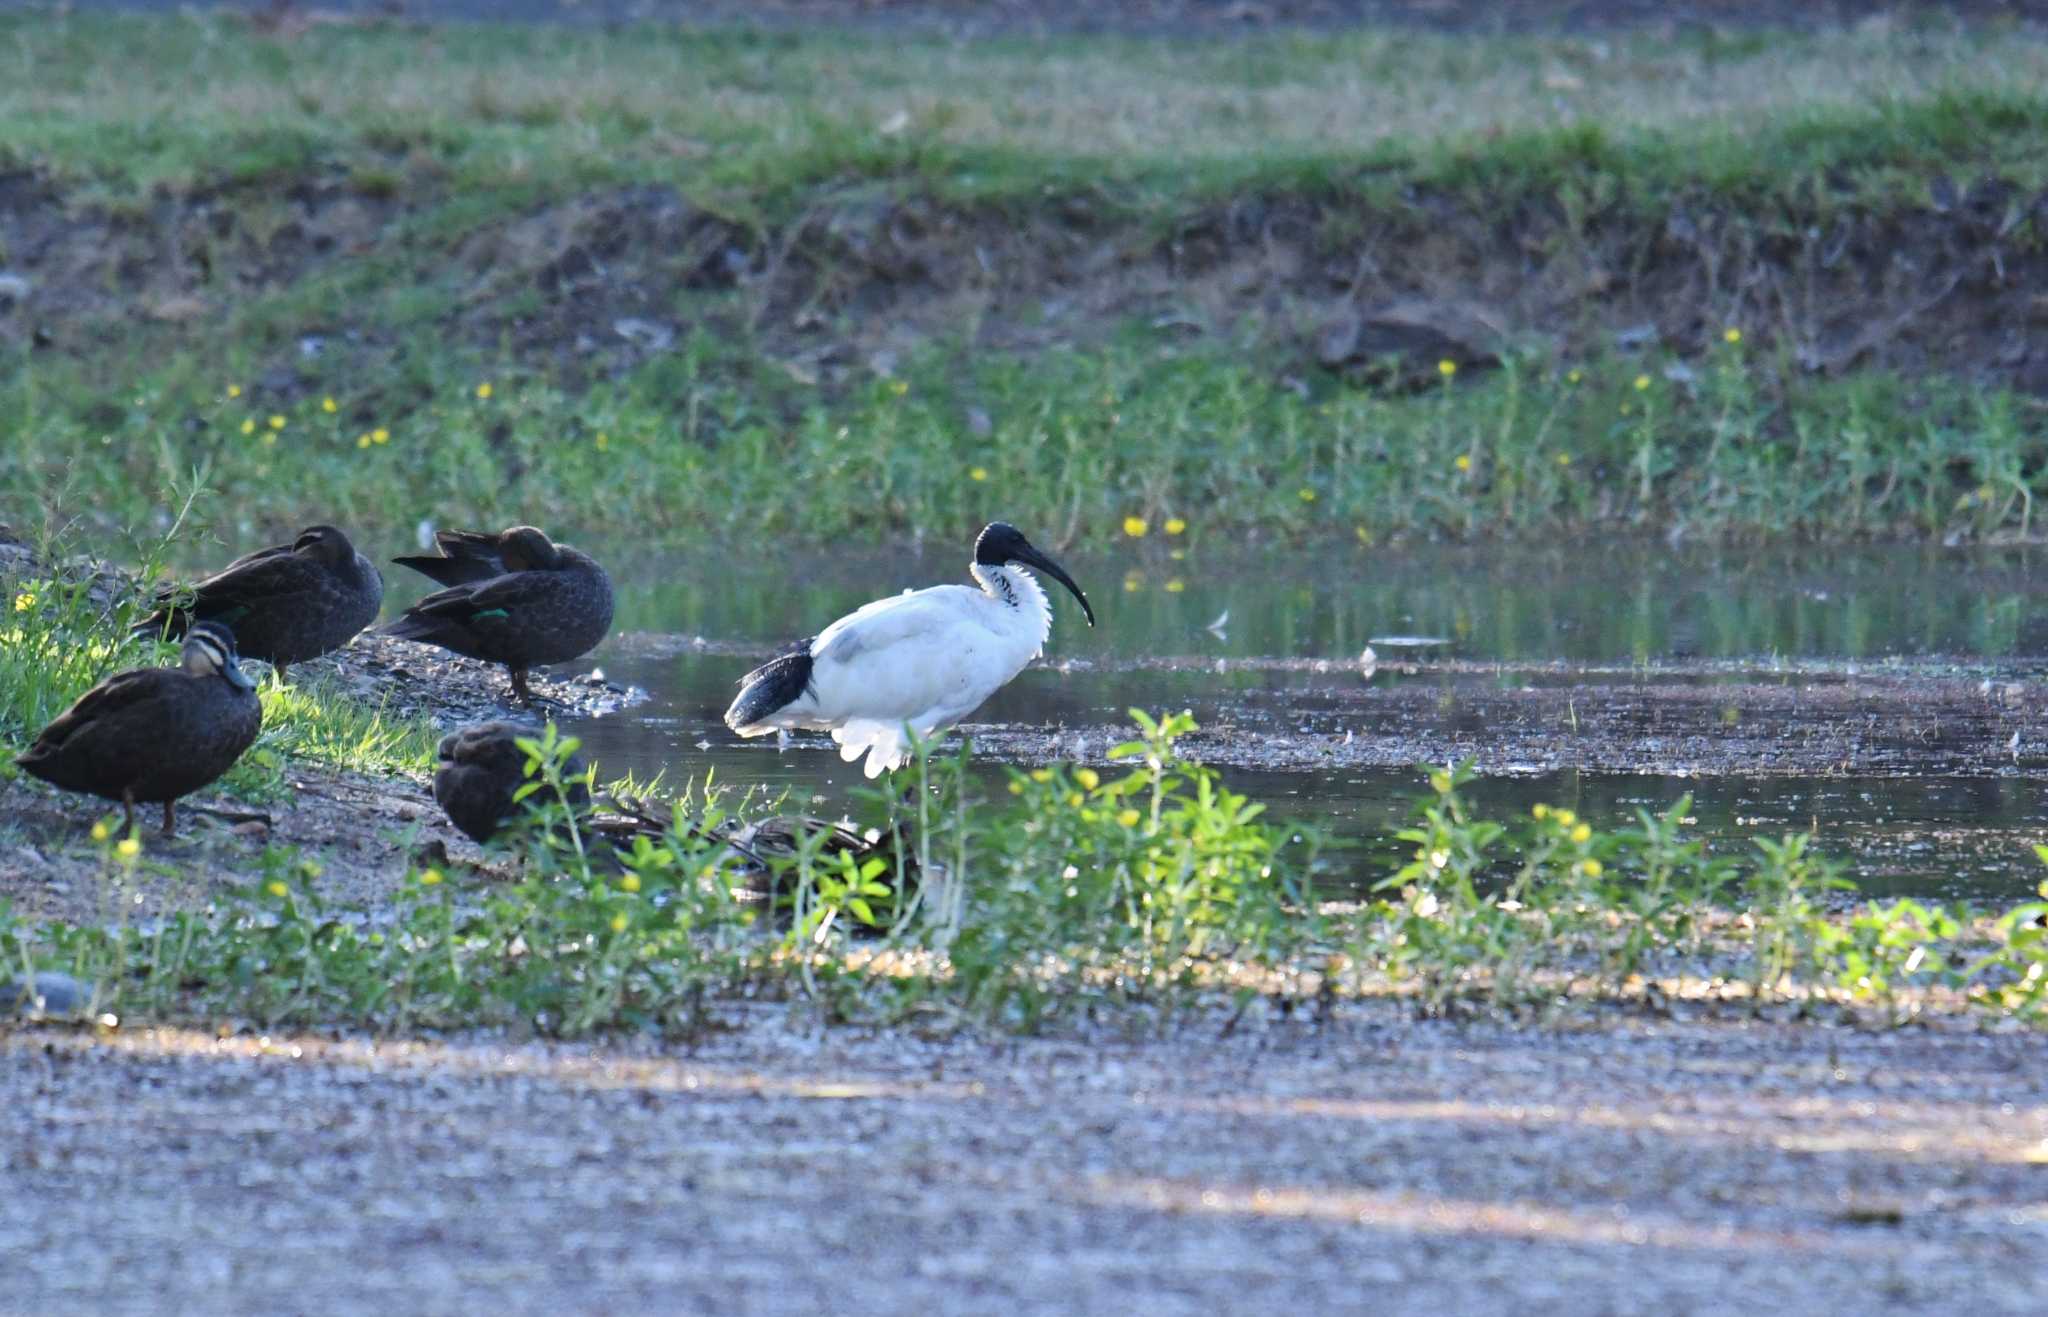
[921,660]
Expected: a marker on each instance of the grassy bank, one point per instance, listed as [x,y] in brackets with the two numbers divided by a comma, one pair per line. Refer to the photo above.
[851,284]
[1080,447]
[64,630]
[1155,890]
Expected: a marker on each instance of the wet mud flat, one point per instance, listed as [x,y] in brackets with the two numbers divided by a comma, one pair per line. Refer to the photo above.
[1641,1165]
[1524,721]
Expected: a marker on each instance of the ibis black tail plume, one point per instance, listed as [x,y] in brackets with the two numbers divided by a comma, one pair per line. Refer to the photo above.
[777,683]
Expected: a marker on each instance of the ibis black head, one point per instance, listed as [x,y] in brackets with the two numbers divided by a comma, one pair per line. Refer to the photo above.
[526,549]
[1000,544]
[209,651]
[324,543]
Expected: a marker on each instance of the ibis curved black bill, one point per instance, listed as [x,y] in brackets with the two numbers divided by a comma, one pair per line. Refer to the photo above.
[1031,557]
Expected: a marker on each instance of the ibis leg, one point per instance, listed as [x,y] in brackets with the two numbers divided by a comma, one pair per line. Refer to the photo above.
[519,688]
[170,818]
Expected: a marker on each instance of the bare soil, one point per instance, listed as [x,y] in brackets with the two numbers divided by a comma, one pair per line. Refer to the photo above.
[1640,1166]
[589,286]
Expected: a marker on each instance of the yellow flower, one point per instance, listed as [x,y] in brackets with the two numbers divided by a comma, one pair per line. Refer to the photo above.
[430,877]
[1178,555]
[128,848]
[249,426]
[1626,409]
[1176,526]
[1539,809]
[328,405]
[1731,335]
[234,390]
[1642,382]
[276,887]
[1590,868]
[1016,788]
[978,473]
[1306,495]
[1583,833]
[631,882]
[1564,459]
[1574,375]
[100,832]
[1073,799]
[1446,368]
[483,391]
[1135,527]
[619,923]
[1464,462]
[1176,585]
[899,387]
[363,440]
[1088,778]
[1364,535]
[1041,775]
[380,435]
[1129,818]
[1134,582]
[24,601]
[276,421]
[603,441]
[270,438]
[1565,818]
[1440,782]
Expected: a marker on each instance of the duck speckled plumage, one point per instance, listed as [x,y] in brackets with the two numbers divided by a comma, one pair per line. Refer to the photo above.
[479,769]
[515,598]
[154,734]
[287,603]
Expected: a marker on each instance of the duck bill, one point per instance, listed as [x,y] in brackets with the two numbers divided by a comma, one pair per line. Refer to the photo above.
[236,677]
[1031,557]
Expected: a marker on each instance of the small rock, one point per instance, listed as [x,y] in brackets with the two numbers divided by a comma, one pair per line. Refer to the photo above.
[49,993]
[649,334]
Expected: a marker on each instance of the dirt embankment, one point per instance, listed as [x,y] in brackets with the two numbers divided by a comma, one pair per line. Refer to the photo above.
[1377,282]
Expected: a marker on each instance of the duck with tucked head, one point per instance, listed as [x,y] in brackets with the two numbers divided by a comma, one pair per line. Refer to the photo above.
[286,604]
[479,771]
[516,598]
[153,735]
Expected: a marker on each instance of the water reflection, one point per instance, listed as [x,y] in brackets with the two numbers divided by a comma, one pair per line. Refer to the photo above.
[1615,603]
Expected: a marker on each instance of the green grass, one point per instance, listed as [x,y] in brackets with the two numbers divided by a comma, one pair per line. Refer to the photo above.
[1148,891]
[137,102]
[62,633]
[694,447]
[465,130]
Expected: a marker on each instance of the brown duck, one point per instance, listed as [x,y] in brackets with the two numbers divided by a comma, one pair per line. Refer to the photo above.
[287,603]
[516,598]
[154,734]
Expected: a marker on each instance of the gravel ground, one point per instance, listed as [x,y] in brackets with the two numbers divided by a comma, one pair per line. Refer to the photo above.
[1640,1166]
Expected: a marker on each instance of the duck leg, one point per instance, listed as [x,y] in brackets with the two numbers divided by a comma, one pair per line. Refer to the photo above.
[128,805]
[519,688]
[170,818]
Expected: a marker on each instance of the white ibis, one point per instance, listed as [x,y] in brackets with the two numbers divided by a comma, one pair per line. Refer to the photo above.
[921,660]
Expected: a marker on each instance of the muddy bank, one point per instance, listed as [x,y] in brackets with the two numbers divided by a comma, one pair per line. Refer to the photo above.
[365,831]
[1863,726]
[1359,281]
[1638,1166]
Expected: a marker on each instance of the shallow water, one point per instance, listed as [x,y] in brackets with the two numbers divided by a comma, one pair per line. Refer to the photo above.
[688,626]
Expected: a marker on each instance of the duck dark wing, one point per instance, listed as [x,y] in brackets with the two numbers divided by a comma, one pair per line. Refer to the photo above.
[466,557]
[464,608]
[106,700]
[229,594]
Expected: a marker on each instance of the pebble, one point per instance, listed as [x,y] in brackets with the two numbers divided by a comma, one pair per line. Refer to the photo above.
[50,993]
